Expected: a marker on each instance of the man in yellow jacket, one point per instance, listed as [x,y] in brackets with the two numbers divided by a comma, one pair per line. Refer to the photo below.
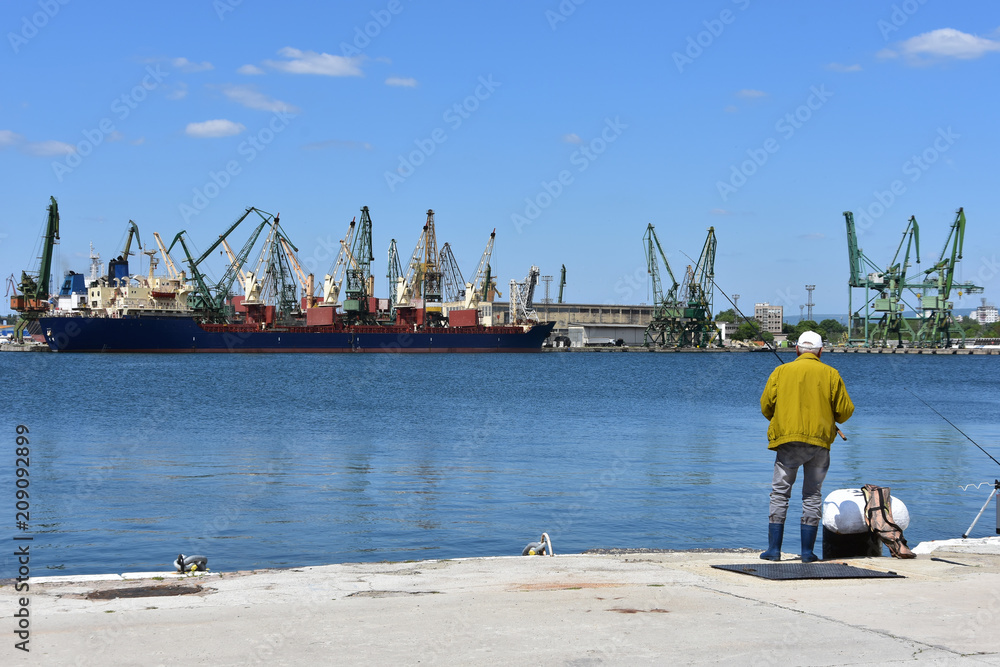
[803,400]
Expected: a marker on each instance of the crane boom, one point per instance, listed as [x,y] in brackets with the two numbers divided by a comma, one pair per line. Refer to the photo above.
[334,279]
[482,278]
[394,275]
[168,261]
[358,275]
[452,281]
[562,283]
[231,256]
[306,282]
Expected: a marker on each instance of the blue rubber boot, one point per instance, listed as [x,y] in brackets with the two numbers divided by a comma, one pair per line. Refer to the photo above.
[775,531]
[808,542]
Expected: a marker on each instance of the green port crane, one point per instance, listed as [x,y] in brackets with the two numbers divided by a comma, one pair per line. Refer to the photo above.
[684,318]
[210,300]
[663,329]
[889,291]
[885,289]
[122,259]
[33,299]
[279,285]
[358,289]
[562,283]
[696,293]
[938,323]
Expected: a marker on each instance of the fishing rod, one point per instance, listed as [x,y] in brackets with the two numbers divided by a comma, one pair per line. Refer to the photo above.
[952,425]
[759,335]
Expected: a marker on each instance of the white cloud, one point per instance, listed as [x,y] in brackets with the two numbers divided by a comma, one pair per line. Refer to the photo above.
[48,148]
[251,98]
[116,136]
[138,142]
[178,91]
[941,43]
[720,211]
[9,138]
[214,128]
[399,81]
[185,65]
[750,94]
[310,62]
[250,70]
[837,67]
[732,108]
[572,138]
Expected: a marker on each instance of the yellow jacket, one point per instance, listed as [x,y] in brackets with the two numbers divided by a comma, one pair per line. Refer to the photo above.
[803,399]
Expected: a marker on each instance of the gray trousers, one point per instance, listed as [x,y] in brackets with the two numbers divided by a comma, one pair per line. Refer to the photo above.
[815,461]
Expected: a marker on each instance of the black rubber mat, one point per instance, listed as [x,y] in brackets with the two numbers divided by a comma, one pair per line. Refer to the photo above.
[785,571]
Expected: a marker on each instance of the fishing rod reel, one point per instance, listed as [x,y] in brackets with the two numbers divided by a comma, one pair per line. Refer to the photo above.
[996,488]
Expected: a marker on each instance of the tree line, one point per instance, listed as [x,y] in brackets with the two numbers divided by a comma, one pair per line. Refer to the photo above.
[830,329]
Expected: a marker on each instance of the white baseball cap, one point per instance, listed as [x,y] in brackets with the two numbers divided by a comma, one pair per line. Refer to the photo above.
[810,340]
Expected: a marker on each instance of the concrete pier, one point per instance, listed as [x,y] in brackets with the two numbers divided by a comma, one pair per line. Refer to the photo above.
[639,608]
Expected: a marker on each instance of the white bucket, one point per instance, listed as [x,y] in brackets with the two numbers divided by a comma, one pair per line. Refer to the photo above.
[844,512]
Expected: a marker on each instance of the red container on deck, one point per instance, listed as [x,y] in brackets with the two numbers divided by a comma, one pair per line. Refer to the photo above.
[408,315]
[462,318]
[238,303]
[320,316]
[269,314]
[372,304]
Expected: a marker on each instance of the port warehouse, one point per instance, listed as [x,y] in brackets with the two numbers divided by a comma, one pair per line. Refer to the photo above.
[591,323]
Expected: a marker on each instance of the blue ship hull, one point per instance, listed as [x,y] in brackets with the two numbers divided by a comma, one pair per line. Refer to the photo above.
[185,334]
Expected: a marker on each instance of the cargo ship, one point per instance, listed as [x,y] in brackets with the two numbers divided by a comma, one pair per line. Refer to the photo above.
[153,333]
[430,309]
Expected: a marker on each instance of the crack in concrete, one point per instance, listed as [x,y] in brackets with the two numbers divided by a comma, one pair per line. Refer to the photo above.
[882,633]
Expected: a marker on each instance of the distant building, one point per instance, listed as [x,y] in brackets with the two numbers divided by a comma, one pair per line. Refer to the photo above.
[986,314]
[770,317]
[573,314]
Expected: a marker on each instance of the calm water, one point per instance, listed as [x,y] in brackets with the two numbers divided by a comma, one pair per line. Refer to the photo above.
[270,461]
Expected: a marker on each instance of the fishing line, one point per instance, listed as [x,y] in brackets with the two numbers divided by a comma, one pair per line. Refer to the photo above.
[740,313]
[757,331]
[976,486]
[952,425]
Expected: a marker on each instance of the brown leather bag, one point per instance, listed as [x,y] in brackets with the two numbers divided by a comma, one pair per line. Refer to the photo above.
[878,516]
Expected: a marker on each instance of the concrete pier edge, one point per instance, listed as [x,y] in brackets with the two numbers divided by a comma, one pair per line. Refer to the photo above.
[630,606]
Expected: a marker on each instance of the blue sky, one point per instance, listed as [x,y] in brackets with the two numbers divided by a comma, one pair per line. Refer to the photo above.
[566,126]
